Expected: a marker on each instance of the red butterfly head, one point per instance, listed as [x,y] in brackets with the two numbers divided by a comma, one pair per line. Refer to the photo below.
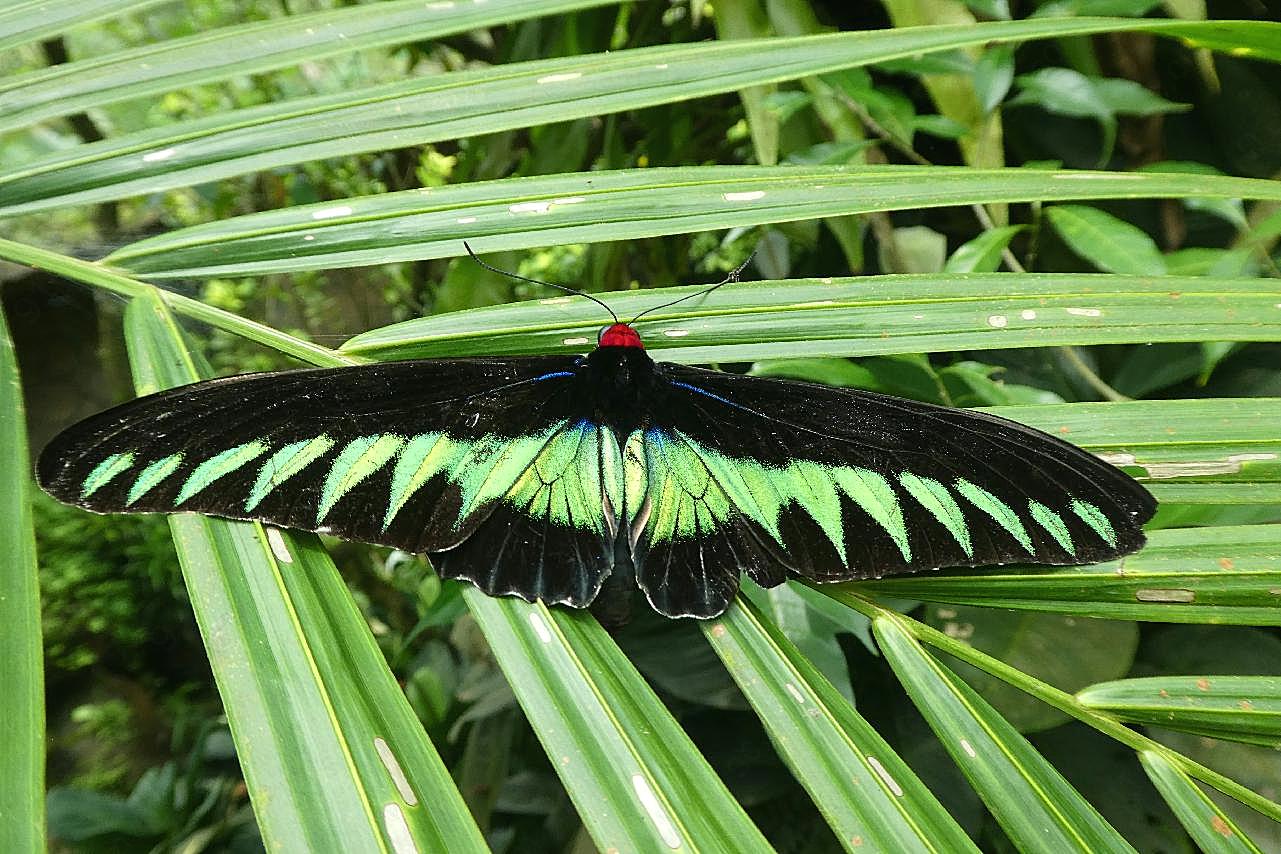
[619,335]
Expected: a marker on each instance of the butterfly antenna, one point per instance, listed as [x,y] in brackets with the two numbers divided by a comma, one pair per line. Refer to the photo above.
[732,277]
[491,268]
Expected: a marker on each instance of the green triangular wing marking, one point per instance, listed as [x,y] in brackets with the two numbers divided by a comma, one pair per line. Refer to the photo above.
[1053,523]
[1000,512]
[935,498]
[419,460]
[687,502]
[284,464]
[812,486]
[635,483]
[218,466]
[105,471]
[761,492]
[1094,517]
[612,474]
[492,465]
[152,475]
[356,462]
[563,484]
[873,493]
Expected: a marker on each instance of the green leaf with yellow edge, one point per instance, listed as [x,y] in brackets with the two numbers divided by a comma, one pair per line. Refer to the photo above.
[244,49]
[25,21]
[869,796]
[518,213]
[1211,828]
[861,316]
[450,106]
[638,782]
[22,729]
[1235,708]
[333,756]
[1184,575]
[1037,808]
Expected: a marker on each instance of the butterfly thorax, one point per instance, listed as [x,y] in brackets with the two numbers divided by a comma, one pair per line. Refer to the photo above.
[618,379]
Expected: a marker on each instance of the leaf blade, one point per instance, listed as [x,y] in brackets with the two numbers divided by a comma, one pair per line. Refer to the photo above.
[309,744]
[867,793]
[1031,800]
[22,724]
[590,709]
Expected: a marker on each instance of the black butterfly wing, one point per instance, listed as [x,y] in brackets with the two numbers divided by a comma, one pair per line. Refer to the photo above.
[418,455]
[838,484]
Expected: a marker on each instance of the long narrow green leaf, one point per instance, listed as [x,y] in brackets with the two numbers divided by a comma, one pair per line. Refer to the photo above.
[519,213]
[861,316]
[334,758]
[1033,803]
[1210,827]
[449,106]
[21,656]
[31,20]
[1186,575]
[638,782]
[98,276]
[1053,697]
[1236,708]
[870,797]
[248,49]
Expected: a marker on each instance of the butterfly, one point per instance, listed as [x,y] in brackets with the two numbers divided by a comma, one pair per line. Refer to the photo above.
[579,480]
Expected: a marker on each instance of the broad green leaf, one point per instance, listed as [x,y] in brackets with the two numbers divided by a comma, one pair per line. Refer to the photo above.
[1225,440]
[993,74]
[331,751]
[638,782]
[1128,97]
[449,106]
[868,795]
[1208,825]
[612,205]
[21,656]
[983,253]
[1033,803]
[916,249]
[247,49]
[1108,243]
[1235,708]
[24,21]
[863,316]
[1071,93]
[1067,652]
[1192,575]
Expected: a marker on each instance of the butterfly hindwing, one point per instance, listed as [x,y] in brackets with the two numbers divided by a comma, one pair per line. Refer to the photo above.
[839,484]
[552,536]
[689,539]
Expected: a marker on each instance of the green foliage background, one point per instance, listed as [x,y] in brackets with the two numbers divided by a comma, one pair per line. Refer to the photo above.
[991,204]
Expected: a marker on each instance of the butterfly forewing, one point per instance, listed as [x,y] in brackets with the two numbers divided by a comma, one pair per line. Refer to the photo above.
[841,484]
[412,454]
